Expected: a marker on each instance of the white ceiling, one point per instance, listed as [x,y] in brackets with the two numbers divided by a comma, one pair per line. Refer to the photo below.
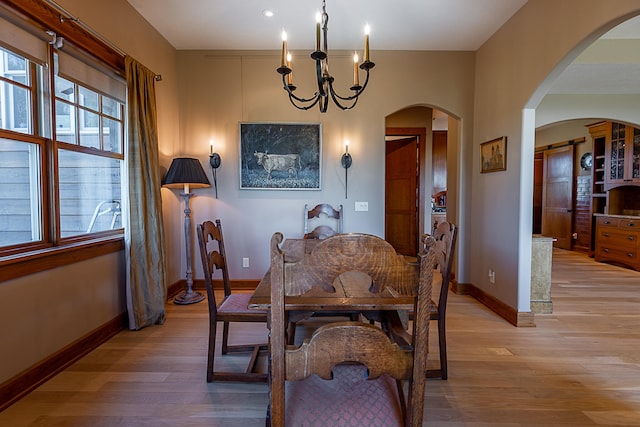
[395,25]
[462,25]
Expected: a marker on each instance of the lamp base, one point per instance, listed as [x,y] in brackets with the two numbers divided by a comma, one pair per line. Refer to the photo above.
[185,297]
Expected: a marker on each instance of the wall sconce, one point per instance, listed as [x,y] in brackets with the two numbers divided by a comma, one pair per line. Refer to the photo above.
[214,161]
[186,173]
[346,164]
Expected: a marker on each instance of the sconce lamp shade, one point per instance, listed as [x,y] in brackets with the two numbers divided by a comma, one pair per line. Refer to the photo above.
[185,170]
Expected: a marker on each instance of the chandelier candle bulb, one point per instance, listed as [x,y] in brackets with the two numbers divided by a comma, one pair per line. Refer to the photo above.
[356,77]
[366,43]
[284,48]
[290,75]
[318,21]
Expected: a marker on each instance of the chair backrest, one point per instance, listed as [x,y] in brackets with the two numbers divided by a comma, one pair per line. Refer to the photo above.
[445,237]
[341,253]
[213,257]
[321,213]
[344,341]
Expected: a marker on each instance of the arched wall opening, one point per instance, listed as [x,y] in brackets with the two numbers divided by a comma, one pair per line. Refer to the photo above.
[409,121]
[577,93]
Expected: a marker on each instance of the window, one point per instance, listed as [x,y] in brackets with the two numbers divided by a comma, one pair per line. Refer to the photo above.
[61,145]
[16,84]
[90,141]
[21,198]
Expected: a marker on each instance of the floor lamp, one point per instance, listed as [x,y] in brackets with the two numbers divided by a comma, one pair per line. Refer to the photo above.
[187,173]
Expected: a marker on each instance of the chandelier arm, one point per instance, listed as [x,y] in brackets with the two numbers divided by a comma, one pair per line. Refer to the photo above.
[355,95]
[336,100]
[286,87]
[293,99]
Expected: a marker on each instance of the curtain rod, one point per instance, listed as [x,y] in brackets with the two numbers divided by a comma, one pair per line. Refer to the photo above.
[67,16]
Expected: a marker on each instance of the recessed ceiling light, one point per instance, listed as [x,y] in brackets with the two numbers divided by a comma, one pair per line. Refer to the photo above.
[268,13]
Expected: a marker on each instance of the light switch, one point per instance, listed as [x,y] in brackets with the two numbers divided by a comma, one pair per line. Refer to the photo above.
[362,206]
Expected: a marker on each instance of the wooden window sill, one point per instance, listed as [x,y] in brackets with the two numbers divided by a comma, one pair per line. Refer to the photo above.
[23,264]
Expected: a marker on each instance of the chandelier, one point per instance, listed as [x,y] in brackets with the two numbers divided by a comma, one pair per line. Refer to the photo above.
[324,79]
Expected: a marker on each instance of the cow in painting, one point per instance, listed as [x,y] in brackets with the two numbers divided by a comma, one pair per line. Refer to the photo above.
[289,163]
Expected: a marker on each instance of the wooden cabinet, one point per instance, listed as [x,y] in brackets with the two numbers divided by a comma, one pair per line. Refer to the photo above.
[617,240]
[615,196]
[622,156]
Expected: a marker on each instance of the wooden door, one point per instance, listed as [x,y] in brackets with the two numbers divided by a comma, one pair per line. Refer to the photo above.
[401,172]
[557,195]
[439,161]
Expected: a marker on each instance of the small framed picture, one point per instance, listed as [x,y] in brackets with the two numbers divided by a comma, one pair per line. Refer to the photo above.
[493,155]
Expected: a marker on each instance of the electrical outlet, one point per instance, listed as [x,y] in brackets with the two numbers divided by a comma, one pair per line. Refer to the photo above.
[492,276]
[245,262]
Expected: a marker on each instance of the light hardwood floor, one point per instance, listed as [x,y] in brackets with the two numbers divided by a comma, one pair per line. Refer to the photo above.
[579,367]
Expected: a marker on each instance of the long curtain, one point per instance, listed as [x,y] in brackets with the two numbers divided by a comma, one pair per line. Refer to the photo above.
[144,237]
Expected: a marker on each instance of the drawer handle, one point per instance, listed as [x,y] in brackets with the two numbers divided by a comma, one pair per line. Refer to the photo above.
[632,238]
[630,255]
[606,222]
[606,235]
[606,250]
[631,224]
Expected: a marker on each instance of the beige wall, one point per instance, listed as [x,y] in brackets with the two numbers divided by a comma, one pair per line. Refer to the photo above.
[43,312]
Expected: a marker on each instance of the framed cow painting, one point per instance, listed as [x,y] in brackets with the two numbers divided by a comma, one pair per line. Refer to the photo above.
[280,156]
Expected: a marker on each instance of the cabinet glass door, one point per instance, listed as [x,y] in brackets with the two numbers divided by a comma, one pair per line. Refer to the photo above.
[617,151]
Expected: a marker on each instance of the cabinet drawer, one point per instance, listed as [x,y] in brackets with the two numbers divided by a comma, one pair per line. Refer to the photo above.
[607,252]
[618,237]
[622,223]
[629,224]
[605,221]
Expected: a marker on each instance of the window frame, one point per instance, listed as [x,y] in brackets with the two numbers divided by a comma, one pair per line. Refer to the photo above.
[52,251]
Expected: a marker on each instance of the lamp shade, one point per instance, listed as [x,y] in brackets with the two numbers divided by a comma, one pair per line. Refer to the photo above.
[185,170]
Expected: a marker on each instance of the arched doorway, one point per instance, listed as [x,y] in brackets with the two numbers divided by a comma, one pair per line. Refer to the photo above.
[419,162]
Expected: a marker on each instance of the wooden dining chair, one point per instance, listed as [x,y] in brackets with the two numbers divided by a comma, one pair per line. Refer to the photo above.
[348,373]
[445,237]
[232,308]
[321,213]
